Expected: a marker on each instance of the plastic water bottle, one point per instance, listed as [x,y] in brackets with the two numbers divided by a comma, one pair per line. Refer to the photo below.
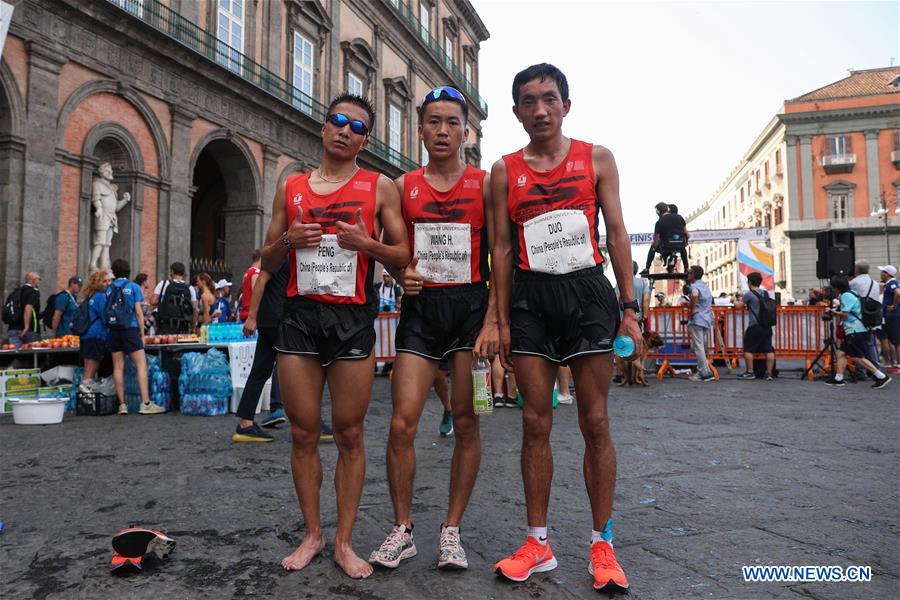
[482,401]
[623,346]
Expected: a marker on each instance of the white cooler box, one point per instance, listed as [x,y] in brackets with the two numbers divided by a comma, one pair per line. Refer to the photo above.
[264,398]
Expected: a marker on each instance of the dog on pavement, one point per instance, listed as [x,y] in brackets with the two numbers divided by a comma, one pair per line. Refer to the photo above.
[633,370]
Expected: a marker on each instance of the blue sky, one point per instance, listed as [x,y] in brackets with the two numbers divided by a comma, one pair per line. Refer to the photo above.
[678,91]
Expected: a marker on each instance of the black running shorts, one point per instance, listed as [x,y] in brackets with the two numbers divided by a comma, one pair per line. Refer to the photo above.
[758,340]
[561,317]
[441,320]
[329,331]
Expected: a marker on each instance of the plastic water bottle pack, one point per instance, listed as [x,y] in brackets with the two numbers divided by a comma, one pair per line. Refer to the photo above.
[205,383]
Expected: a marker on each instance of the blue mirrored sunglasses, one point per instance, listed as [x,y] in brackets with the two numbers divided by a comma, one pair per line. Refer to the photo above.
[339,120]
[443,93]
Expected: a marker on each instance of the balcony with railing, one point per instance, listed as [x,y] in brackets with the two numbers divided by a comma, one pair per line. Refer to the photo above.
[412,21]
[178,28]
[895,158]
[838,163]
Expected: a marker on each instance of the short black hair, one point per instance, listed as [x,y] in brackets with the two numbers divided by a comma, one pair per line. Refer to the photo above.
[754,279]
[840,283]
[255,255]
[540,71]
[697,270]
[141,278]
[673,209]
[462,105]
[662,208]
[177,268]
[363,103]
[121,268]
[634,267]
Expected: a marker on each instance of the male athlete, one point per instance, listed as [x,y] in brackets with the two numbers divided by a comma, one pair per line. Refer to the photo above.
[447,213]
[556,307]
[328,223]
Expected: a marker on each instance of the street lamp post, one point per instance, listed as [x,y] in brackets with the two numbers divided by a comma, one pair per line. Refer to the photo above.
[882,213]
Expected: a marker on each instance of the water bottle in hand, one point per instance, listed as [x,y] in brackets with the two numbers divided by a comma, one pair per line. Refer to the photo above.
[623,346]
[482,401]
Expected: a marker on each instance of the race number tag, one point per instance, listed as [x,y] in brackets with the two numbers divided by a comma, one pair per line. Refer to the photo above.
[444,251]
[559,242]
[326,269]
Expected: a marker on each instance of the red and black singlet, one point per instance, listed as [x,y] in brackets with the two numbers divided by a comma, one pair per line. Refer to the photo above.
[450,227]
[327,209]
[548,233]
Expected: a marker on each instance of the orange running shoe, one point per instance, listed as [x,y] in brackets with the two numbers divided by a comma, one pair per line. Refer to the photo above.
[605,568]
[530,558]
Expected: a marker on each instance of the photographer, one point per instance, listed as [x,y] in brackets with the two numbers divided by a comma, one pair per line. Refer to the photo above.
[857,338]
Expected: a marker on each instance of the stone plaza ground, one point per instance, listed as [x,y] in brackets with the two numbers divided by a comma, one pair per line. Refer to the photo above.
[711,477]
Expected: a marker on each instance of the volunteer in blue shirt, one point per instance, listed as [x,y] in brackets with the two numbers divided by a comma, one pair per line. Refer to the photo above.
[92,344]
[130,340]
[857,338]
[890,303]
[65,306]
[223,310]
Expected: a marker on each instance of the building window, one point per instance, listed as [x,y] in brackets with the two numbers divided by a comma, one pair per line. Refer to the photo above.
[424,20]
[896,140]
[135,7]
[766,168]
[303,73]
[230,33]
[395,132]
[395,3]
[468,72]
[779,215]
[448,50]
[778,170]
[354,84]
[838,207]
[838,145]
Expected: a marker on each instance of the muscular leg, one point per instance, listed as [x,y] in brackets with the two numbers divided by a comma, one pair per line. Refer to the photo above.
[413,375]
[497,376]
[536,376]
[350,384]
[118,360]
[140,362]
[592,376]
[302,379]
[442,389]
[467,451]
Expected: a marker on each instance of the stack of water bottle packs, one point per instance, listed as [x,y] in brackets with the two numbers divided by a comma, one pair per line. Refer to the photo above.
[73,393]
[158,380]
[226,333]
[205,383]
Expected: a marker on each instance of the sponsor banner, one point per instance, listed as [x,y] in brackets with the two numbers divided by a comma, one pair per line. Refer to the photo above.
[753,256]
[704,235]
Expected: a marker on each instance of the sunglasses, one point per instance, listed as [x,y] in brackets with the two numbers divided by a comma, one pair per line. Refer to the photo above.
[340,120]
[443,93]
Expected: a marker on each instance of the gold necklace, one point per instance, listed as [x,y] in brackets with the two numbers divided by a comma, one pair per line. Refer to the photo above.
[322,177]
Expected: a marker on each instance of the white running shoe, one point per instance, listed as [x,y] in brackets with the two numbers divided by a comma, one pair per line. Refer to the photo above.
[452,555]
[397,546]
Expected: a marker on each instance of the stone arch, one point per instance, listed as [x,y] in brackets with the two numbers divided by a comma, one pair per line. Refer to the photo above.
[291,169]
[132,97]
[12,178]
[226,207]
[12,107]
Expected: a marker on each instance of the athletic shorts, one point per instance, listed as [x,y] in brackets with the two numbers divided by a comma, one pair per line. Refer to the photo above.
[441,320]
[561,317]
[857,345]
[758,340]
[92,348]
[124,340]
[328,331]
[891,329]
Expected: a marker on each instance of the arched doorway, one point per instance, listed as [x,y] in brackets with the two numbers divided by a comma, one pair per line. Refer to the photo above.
[224,209]
[12,181]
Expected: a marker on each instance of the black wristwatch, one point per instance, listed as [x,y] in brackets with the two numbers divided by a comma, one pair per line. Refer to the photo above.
[632,304]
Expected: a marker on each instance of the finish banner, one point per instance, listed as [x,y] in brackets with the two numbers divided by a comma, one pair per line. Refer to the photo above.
[704,235]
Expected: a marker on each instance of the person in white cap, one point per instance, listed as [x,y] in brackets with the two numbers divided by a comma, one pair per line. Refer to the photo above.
[890,302]
[223,310]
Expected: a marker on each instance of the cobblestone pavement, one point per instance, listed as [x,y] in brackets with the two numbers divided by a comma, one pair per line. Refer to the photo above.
[711,477]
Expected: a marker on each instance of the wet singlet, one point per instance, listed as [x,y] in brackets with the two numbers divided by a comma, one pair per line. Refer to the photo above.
[328,273]
[554,215]
[447,231]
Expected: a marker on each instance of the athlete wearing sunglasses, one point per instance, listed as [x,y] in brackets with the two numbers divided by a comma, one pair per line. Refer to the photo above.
[328,224]
[446,207]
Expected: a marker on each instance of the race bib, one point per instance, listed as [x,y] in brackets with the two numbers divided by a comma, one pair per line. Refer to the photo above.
[444,251]
[326,269]
[559,242]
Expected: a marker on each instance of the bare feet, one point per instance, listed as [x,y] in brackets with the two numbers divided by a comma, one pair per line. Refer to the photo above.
[299,558]
[352,565]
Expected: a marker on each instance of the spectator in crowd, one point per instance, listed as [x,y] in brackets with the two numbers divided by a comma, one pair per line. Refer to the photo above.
[757,338]
[129,340]
[247,283]
[891,306]
[701,321]
[175,302]
[223,302]
[388,293]
[723,300]
[641,294]
[685,298]
[92,345]
[143,281]
[206,289]
[857,338]
[816,298]
[26,326]
[64,307]
[661,299]
[865,287]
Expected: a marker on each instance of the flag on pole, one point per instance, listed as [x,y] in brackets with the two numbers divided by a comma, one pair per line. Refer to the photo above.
[755,256]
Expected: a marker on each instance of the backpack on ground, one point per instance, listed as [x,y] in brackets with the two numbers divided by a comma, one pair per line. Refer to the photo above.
[118,312]
[175,303]
[82,320]
[768,311]
[870,309]
[12,307]
[50,309]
